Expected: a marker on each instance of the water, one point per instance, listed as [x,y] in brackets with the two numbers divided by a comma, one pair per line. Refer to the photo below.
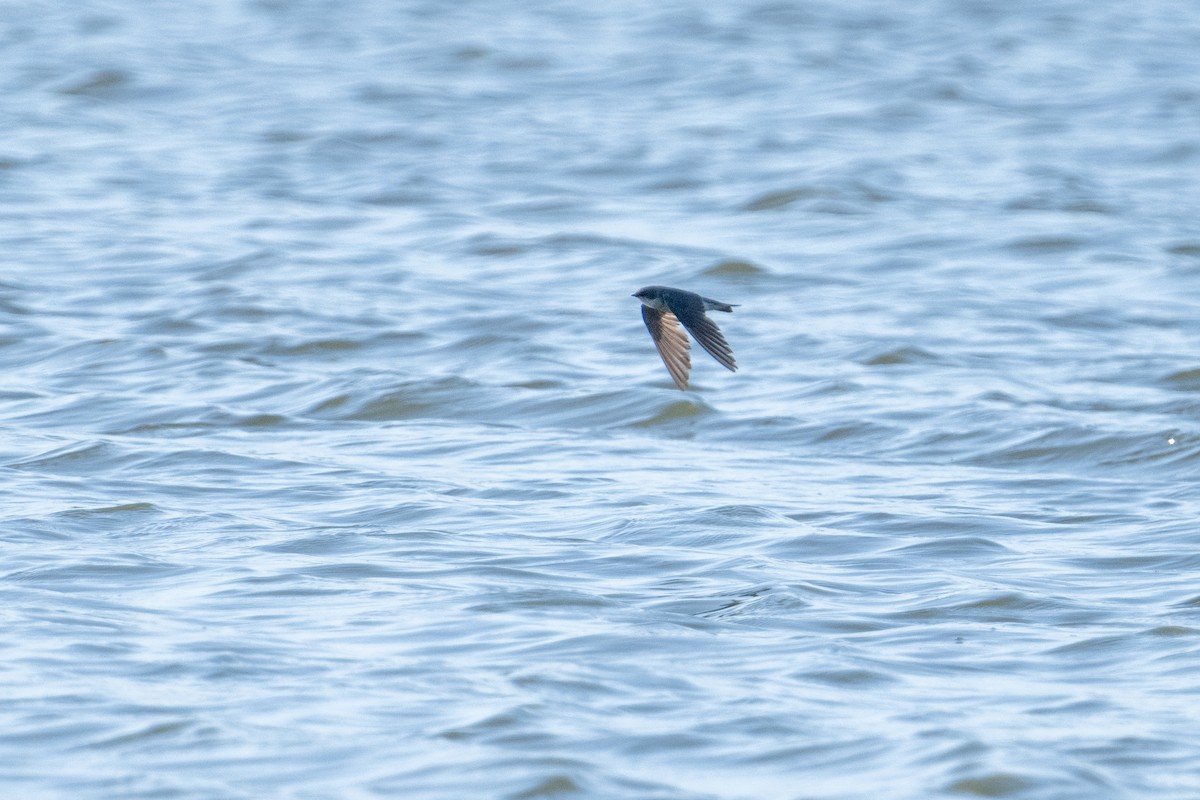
[338,462]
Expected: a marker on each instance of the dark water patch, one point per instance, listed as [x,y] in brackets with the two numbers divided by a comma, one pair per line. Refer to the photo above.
[1108,649]
[414,197]
[828,756]
[1106,564]
[901,355]
[1187,249]
[825,546]
[312,349]
[124,519]
[540,600]
[352,539]
[126,508]
[1100,319]
[456,398]
[1093,520]
[1171,632]
[674,412]
[757,606]
[1073,708]
[566,681]
[992,608]
[682,185]
[947,528]
[395,513]
[64,733]
[489,245]
[1089,449]
[498,343]
[955,548]
[102,83]
[1186,380]
[362,575]
[298,588]
[168,326]
[785,197]
[729,527]
[516,494]
[433,398]
[263,421]
[513,780]
[848,678]
[1046,245]
[165,429]
[734,268]
[553,786]
[150,735]
[844,434]
[994,784]
[180,422]
[77,458]
[1066,205]
[603,409]
[104,574]
[739,514]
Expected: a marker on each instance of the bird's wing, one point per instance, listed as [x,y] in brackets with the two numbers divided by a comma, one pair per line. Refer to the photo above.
[671,341]
[705,331]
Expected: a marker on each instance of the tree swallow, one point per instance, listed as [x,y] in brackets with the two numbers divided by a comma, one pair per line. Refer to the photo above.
[663,308]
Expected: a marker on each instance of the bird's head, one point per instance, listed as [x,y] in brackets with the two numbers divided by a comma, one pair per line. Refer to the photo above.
[650,296]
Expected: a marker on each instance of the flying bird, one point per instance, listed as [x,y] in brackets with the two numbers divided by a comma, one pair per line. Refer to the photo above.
[663,308]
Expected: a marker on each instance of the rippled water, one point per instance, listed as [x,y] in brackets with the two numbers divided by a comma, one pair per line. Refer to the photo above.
[339,463]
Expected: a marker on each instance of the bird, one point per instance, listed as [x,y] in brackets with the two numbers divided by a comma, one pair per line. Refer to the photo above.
[663,308]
